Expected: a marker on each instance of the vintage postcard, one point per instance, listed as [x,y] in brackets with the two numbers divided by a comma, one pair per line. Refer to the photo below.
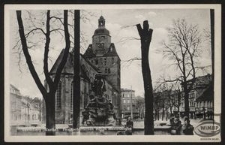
[91,73]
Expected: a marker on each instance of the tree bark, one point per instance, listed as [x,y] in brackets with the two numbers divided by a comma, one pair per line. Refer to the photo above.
[186,100]
[212,21]
[50,114]
[76,86]
[146,35]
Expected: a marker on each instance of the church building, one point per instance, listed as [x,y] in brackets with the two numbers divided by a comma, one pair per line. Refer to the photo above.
[100,58]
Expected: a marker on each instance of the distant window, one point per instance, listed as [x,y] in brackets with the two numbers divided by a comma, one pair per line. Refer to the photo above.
[105,61]
[96,61]
[112,60]
[106,70]
[58,96]
[109,70]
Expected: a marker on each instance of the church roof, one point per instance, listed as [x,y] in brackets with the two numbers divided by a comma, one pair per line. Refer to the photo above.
[111,51]
[101,31]
[68,68]
[89,52]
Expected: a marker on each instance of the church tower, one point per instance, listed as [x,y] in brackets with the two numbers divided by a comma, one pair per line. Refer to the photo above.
[102,54]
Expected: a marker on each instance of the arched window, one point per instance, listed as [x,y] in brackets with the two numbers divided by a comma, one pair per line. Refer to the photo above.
[71,97]
[58,96]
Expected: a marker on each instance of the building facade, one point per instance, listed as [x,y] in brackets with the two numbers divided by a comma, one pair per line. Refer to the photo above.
[24,110]
[100,58]
[129,104]
[200,98]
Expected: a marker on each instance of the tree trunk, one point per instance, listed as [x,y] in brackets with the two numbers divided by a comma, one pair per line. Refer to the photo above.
[76,86]
[212,22]
[50,114]
[146,35]
[186,100]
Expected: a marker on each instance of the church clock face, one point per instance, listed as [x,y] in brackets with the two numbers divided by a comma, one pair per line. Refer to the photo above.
[100,45]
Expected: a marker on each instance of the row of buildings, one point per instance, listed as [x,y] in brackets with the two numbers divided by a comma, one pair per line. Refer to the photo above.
[24,110]
[200,100]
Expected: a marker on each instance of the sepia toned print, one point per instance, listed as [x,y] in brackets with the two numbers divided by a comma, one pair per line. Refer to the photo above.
[146,72]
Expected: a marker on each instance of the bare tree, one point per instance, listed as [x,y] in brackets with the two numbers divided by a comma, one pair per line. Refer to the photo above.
[146,36]
[162,99]
[52,82]
[183,48]
[140,104]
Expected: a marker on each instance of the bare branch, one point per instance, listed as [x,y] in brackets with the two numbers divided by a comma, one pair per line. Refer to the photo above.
[47,43]
[27,55]
[58,29]
[35,29]
[65,52]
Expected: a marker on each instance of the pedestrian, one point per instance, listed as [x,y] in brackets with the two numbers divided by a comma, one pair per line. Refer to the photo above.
[187,128]
[176,126]
[171,119]
[129,126]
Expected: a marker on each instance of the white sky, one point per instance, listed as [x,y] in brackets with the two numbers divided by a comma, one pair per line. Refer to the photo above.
[116,20]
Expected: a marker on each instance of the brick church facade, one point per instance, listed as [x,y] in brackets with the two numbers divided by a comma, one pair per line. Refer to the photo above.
[100,58]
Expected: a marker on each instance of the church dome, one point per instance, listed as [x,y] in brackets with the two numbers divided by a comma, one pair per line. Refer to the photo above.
[101,31]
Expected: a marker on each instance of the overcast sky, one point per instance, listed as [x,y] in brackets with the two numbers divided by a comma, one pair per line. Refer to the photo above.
[121,24]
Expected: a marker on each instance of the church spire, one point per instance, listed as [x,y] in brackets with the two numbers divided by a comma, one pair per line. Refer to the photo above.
[101,22]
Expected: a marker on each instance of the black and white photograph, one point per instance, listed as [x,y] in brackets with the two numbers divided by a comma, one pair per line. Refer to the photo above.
[96,72]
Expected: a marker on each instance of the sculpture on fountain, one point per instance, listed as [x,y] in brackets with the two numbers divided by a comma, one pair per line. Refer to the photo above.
[99,110]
